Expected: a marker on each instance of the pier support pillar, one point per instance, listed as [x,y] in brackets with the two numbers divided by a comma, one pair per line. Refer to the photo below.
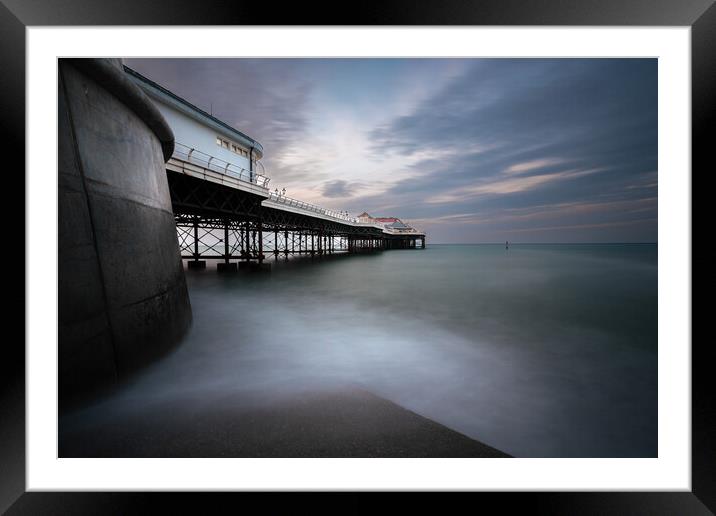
[226,241]
[196,239]
[246,242]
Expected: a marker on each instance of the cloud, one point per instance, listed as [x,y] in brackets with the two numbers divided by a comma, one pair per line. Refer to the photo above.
[435,140]
[582,226]
[340,188]
[507,186]
[535,164]
[552,132]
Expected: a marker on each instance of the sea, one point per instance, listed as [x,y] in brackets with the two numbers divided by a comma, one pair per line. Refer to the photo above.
[537,350]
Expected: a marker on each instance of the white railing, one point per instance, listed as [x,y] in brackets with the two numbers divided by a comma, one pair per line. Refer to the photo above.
[288,201]
[191,155]
[401,231]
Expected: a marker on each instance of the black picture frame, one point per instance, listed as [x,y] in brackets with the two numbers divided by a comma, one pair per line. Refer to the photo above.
[17,15]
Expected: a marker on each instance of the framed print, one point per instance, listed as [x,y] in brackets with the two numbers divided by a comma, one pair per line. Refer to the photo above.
[445,249]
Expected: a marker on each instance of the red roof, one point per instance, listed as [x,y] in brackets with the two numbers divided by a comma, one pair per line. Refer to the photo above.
[386,219]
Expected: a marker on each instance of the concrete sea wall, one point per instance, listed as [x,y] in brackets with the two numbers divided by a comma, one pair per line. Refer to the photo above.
[123,299]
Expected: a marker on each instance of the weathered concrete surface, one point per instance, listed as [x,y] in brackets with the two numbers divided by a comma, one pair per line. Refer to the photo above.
[122,293]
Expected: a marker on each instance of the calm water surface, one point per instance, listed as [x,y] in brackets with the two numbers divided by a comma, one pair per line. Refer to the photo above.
[539,350]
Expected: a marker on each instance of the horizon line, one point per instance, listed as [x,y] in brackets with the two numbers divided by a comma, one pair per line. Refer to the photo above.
[544,243]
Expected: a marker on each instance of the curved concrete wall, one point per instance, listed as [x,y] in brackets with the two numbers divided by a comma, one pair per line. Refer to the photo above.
[122,293]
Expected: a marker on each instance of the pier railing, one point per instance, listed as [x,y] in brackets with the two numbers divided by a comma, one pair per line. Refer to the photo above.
[401,231]
[289,201]
[191,155]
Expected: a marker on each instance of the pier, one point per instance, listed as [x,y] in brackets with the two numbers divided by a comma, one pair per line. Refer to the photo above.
[147,180]
[225,210]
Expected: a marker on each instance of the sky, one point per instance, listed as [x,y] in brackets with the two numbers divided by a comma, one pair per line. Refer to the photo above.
[468,150]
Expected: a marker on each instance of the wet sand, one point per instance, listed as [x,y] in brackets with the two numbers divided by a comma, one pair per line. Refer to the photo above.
[348,423]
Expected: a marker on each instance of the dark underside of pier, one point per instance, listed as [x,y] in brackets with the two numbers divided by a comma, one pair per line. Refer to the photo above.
[347,423]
